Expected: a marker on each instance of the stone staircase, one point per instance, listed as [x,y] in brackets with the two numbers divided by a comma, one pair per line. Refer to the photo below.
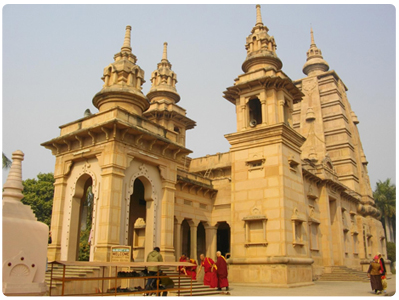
[198,289]
[89,287]
[342,273]
[70,271]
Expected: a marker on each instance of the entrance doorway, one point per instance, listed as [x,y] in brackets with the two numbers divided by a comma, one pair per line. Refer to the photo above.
[137,221]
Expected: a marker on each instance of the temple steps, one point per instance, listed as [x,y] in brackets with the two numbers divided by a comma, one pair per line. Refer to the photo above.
[342,273]
[198,289]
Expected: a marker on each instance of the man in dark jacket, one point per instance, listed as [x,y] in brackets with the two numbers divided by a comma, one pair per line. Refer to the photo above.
[153,256]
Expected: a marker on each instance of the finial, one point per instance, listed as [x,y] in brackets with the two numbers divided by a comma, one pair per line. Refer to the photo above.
[12,188]
[311,36]
[258,16]
[126,43]
[165,53]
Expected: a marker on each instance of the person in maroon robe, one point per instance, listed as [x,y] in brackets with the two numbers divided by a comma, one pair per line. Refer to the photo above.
[210,277]
[221,270]
[182,269]
[192,271]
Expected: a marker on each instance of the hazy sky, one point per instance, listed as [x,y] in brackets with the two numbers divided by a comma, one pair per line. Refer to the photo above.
[54,55]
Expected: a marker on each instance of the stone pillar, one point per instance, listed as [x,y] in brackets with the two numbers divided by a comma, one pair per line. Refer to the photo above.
[281,111]
[109,208]
[167,220]
[57,217]
[193,242]
[24,239]
[177,237]
[211,235]
[264,111]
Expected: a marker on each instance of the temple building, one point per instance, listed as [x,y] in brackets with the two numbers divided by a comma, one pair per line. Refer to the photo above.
[288,202]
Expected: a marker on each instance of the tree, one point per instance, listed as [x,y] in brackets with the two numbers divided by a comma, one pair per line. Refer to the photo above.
[39,195]
[385,200]
[6,162]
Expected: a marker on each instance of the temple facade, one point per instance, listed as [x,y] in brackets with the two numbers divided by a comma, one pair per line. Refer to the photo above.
[288,202]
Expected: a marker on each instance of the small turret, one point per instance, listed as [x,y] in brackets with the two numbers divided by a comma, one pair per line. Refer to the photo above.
[315,64]
[163,81]
[122,82]
[261,48]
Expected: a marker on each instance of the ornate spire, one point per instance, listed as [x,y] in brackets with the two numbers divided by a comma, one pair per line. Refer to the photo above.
[126,43]
[258,16]
[261,48]
[12,189]
[315,64]
[165,52]
[122,82]
[163,80]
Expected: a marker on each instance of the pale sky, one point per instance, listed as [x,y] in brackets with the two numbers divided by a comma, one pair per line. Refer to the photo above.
[54,56]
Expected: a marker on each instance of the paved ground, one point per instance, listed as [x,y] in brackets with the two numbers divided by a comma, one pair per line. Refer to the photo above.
[320,288]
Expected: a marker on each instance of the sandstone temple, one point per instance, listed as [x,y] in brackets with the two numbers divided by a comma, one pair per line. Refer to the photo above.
[287,203]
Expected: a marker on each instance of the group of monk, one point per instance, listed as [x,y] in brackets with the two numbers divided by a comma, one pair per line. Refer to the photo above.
[215,273]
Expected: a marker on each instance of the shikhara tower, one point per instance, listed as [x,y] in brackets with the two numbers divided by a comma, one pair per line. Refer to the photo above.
[289,202]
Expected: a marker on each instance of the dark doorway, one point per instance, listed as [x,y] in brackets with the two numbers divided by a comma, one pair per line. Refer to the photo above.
[223,238]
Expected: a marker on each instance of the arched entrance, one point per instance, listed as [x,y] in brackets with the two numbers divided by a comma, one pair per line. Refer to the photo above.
[137,221]
[223,238]
[80,220]
[86,220]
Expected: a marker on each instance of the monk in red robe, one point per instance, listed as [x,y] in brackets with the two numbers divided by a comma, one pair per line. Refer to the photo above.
[192,271]
[182,269]
[210,277]
[221,271]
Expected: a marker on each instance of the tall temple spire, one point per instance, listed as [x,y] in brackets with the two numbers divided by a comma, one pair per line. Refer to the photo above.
[312,37]
[258,16]
[165,51]
[315,64]
[261,48]
[126,43]
[122,82]
[163,80]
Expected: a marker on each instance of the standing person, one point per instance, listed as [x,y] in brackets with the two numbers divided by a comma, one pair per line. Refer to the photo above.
[375,276]
[383,272]
[153,256]
[210,277]
[221,271]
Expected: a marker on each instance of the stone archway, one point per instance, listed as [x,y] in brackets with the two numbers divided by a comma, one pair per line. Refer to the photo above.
[137,221]
[77,222]
[146,195]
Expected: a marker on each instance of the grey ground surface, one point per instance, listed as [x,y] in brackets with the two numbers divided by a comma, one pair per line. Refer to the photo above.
[319,289]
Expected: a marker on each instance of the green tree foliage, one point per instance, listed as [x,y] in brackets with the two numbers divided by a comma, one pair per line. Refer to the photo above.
[391,251]
[6,162]
[39,195]
[385,200]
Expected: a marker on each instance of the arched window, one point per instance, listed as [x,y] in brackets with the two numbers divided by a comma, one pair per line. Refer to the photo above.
[255,112]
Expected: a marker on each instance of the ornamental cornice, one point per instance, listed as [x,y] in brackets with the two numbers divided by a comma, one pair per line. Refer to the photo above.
[267,82]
